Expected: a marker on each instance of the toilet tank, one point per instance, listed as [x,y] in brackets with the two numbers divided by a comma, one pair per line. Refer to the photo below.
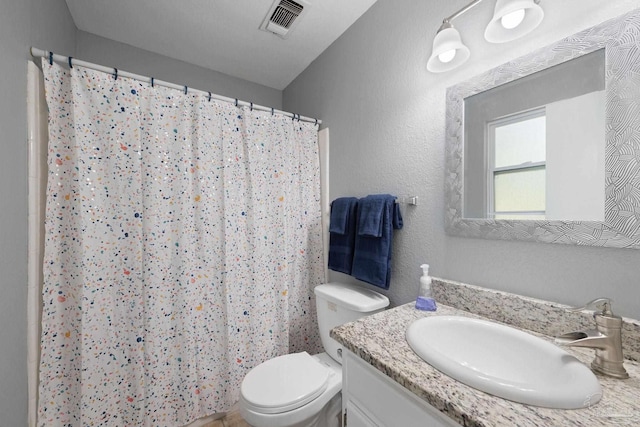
[339,303]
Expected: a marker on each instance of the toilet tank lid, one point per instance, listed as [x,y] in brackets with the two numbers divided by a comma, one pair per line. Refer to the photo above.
[352,297]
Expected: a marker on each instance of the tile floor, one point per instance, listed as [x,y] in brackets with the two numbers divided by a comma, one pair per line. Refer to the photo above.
[232,419]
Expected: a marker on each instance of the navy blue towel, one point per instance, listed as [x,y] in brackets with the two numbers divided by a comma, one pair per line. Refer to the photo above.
[372,254]
[371,216]
[342,233]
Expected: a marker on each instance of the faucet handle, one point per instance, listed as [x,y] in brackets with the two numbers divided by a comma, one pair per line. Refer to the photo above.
[603,305]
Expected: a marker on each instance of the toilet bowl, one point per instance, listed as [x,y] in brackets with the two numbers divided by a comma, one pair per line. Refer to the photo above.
[295,390]
[300,390]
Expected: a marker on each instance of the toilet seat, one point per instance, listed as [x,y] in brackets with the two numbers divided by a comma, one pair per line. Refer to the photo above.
[285,383]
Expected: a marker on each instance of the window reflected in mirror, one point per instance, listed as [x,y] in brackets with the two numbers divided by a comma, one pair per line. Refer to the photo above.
[517,162]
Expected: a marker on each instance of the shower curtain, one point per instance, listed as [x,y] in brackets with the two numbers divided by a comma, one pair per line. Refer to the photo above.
[182,244]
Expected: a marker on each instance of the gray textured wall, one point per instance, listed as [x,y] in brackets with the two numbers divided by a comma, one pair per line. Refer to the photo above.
[386,114]
[110,53]
[47,24]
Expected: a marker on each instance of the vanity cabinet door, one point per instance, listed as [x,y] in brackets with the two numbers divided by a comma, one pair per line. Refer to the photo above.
[371,399]
[356,417]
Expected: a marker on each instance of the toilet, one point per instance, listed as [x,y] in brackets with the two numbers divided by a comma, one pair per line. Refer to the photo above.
[301,390]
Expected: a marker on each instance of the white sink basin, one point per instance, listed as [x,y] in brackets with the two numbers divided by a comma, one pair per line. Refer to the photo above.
[504,361]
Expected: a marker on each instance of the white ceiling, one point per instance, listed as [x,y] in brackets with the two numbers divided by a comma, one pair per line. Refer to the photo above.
[221,35]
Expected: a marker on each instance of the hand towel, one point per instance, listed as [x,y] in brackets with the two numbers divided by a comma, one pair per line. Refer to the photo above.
[370,216]
[342,232]
[340,215]
[372,254]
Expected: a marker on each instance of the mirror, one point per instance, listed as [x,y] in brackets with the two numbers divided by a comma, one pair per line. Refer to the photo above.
[534,147]
[547,147]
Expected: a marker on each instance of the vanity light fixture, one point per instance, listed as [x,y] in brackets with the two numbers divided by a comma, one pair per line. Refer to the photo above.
[511,19]
[448,50]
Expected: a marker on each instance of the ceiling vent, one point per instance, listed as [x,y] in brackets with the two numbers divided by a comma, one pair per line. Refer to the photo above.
[283,16]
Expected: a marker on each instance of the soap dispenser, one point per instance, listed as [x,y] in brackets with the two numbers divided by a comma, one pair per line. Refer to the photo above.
[425,300]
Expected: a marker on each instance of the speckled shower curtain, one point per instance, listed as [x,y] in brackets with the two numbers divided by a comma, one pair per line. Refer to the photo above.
[182,245]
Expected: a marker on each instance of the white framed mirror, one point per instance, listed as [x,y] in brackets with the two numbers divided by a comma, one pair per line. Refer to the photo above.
[546,148]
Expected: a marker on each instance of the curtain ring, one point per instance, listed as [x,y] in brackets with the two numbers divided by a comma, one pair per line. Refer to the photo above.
[152,83]
[115,76]
[50,58]
[236,102]
[272,111]
[70,58]
[185,89]
[316,122]
[251,106]
[209,96]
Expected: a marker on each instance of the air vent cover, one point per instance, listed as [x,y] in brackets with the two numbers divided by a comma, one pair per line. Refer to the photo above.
[283,15]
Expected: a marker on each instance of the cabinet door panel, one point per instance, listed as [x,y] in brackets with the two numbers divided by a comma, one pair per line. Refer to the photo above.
[380,398]
[357,418]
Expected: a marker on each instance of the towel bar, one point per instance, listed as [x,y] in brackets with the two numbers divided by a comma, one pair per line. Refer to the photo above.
[407,200]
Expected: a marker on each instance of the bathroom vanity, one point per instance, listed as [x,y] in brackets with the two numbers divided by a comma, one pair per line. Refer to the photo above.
[386,384]
[370,399]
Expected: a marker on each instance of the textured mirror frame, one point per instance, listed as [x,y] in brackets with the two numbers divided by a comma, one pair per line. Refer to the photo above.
[620,37]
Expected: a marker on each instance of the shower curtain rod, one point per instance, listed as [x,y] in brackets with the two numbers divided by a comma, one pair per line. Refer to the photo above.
[111,70]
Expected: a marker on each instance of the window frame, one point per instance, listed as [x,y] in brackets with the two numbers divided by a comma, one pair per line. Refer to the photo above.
[492,171]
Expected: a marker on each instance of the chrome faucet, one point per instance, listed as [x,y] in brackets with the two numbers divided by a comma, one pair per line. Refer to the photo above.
[606,339]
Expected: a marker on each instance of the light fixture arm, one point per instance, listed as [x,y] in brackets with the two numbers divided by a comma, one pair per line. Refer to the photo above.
[446,22]
[460,12]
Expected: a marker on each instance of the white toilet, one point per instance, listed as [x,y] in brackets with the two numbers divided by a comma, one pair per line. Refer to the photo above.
[299,390]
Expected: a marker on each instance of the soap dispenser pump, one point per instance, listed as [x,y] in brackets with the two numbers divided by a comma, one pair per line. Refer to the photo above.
[425,299]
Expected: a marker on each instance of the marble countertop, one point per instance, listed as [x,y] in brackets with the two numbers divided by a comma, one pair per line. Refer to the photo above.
[380,341]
